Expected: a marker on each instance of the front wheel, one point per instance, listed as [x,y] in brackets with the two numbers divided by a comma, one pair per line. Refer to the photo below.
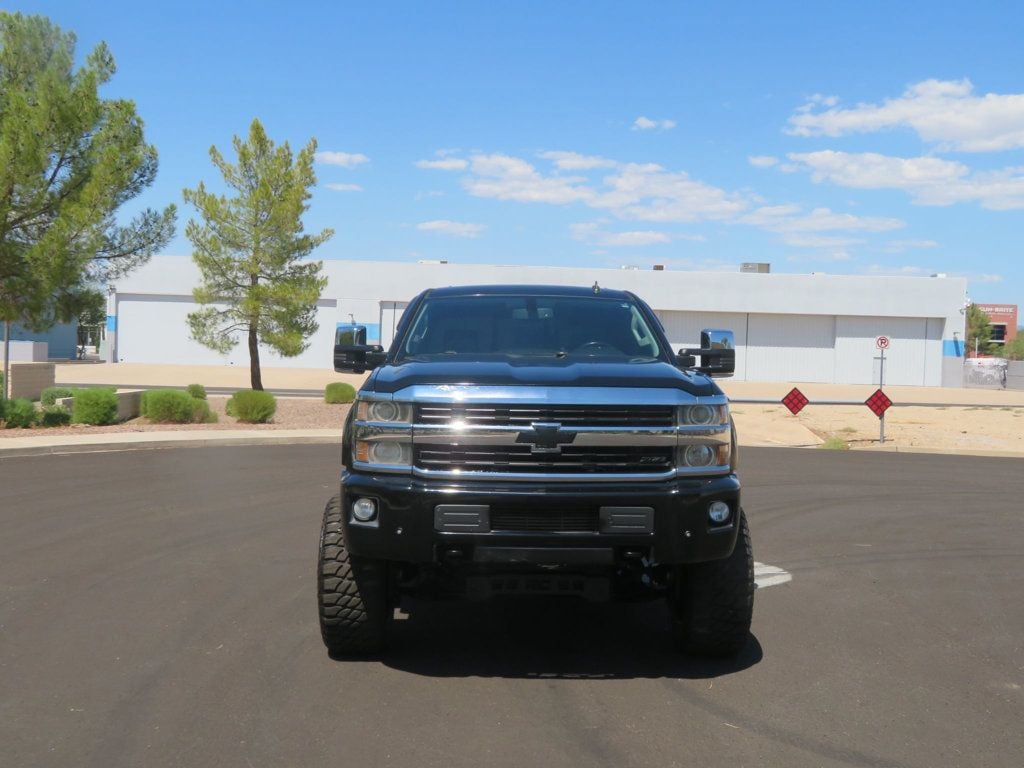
[713,603]
[352,592]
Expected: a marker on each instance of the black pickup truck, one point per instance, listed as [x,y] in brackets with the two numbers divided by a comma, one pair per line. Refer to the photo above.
[536,440]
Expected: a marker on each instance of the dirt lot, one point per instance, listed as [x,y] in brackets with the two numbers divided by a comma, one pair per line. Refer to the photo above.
[949,429]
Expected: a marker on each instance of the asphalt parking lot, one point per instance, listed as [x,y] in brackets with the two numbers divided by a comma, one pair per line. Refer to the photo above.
[157,608]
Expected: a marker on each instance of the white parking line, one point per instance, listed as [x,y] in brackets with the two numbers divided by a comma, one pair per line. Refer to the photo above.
[770,575]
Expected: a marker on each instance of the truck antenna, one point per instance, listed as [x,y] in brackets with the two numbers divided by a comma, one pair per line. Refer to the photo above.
[597,288]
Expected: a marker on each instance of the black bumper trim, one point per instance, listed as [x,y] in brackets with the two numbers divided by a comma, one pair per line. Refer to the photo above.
[681,532]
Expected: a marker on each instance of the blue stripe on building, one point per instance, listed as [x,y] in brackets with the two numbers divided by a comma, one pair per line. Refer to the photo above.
[112,323]
[61,340]
[952,348]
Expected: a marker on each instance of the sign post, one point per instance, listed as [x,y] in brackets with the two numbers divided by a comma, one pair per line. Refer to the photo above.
[882,343]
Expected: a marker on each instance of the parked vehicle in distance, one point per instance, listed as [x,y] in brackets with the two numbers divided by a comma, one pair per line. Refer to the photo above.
[537,440]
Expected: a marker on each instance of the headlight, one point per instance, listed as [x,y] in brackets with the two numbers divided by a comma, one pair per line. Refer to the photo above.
[703,455]
[384,411]
[382,435]
[703,415]
[698,455]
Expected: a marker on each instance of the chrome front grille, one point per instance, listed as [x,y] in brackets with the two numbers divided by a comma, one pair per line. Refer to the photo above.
[512,458]
[525,415]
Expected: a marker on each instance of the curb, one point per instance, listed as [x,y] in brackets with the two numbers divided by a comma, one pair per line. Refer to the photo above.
[159,443]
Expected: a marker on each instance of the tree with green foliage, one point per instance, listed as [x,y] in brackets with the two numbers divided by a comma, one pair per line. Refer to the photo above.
[249,248]
[979,331]
[1014,349]
[69,160]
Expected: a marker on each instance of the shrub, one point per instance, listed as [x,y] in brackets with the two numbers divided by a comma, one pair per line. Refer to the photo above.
[97,406]
[201,413]
[3,407]
[55,416]
[198,391]
[20,413]
[52,394]
[252,406]
[169,406]
[339,392]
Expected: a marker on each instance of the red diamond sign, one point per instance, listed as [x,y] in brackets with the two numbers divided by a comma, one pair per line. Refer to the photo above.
[879,403]
[795,401]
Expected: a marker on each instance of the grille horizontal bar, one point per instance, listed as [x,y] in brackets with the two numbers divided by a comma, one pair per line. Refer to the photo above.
[553,520]
[567,415]
[520,458]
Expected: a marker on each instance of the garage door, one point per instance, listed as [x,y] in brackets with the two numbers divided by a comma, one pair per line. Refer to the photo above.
[154,329]
[906,360]
[683,330]
[791,348]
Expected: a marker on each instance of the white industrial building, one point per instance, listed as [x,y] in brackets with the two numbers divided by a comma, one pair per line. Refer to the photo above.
[801,328]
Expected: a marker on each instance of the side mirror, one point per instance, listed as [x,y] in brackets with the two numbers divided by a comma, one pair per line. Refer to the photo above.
[357,358]
[717,353]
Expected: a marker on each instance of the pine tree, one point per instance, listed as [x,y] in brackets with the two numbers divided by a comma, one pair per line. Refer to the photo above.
[249,248]
[68,161]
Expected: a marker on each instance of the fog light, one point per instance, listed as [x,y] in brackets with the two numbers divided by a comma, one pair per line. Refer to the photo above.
[364,510]
[718,512]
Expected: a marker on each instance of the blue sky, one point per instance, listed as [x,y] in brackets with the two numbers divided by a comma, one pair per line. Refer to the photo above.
[832,137]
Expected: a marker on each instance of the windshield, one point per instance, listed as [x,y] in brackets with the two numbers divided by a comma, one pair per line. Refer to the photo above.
[530,326]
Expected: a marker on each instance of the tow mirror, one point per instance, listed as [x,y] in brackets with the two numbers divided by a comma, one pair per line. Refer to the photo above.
[357,358]
[351,352]
[717,353]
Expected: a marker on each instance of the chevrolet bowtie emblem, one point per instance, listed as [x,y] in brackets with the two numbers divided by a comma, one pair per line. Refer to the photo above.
[546,437]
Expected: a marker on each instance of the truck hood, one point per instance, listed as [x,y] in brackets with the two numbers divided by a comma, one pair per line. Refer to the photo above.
[392,378]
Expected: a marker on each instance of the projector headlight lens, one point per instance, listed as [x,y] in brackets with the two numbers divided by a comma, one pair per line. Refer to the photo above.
[703,415]
[388,452]
[699,456]
[386,411]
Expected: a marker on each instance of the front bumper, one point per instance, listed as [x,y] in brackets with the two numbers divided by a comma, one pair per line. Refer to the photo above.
[405,526]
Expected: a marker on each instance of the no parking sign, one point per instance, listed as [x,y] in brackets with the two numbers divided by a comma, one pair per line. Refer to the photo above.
[882,342]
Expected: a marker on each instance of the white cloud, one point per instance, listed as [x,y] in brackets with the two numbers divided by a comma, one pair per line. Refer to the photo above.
[928,180]
[344,159]
[790,219]
[511,178]
[591,232]
[762,161]
[573,161]
[444,164]
[343,187]
[646,124]
[648,192]
[943,112]
[453,228]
